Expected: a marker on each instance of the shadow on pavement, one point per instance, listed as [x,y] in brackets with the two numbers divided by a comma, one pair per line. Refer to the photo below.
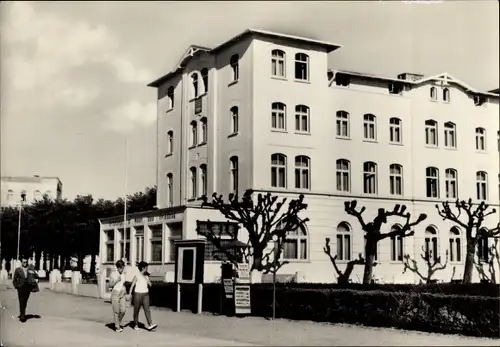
[33,316]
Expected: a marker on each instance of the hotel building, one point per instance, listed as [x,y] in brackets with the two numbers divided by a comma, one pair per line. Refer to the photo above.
[263,111]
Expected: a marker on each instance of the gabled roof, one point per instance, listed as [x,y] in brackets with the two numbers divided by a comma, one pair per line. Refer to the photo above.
[194,49]
[369,76]
[190,52]
[446,78]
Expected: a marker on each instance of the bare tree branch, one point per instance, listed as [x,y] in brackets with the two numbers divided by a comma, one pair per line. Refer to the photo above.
[373,231]
[266,222]
[342,277]
[472,224]
[433,264]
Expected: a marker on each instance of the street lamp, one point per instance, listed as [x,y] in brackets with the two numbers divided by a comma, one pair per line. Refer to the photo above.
[23,199]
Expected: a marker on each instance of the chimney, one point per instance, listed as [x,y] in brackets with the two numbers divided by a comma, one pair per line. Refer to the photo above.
[409,76]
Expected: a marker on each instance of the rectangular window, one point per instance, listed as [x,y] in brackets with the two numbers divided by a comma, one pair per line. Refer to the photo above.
[156,244]
[110,245]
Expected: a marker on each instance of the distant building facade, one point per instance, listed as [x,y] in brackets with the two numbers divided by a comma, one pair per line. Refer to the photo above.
[34,188]
[263,111]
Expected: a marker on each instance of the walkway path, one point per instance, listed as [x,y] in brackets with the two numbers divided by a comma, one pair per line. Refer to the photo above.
[76,321]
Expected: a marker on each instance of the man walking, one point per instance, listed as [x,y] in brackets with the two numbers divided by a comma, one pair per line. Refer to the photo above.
[118,292]
[24,281]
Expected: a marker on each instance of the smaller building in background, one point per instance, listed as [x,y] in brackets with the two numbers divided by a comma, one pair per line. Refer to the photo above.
[34,188]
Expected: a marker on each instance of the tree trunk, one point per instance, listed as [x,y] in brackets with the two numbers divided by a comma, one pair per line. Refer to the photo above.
[368,272]
[92,264]
[469,262]
[370,252]
[81,257]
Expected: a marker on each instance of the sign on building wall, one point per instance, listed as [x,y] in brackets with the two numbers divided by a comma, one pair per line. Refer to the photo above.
[198,106]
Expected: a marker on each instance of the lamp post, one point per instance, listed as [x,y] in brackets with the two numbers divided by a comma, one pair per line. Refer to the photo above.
[125,204]
[23,198]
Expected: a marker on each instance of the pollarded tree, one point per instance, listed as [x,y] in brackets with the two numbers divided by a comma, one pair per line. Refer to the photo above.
[373,231]
[433,264]
[472,224]
[342,277]
[265,221]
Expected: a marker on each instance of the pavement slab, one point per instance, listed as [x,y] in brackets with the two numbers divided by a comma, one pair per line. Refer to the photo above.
[68,320]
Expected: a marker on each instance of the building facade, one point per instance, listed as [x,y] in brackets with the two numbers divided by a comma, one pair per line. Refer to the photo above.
[263,111]
[34,188]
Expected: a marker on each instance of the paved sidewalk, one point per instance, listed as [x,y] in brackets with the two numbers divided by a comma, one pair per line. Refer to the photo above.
[76,321]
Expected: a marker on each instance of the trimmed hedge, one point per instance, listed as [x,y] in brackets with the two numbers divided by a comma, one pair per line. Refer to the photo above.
[421,308]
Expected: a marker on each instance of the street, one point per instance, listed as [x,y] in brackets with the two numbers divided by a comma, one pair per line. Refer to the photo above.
[67,320]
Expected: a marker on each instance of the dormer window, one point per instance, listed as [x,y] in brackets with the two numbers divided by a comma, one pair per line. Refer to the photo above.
[342,80]
[395,88]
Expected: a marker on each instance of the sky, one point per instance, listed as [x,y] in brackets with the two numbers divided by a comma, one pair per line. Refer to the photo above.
[74,75]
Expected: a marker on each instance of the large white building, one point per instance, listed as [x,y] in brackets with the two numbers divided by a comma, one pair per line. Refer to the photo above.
[34,188]
[263,111]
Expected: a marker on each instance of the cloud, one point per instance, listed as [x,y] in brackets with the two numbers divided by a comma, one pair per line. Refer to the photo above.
[125,117]
[42,49]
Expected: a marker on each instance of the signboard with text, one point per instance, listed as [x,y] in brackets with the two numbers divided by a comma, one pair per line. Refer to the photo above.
[242,299]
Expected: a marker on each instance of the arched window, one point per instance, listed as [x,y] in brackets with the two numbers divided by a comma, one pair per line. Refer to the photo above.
[451,183]
[23,195]
[369,177]
[170,190]
[234,165]
[433,93]
[295,245]
[204,130]
[194,133]
[450,135]
[302,174]
[395,130]
[302,67]
[235,67]
[397,245]
[278,170]
[396,179]
[170,142]
[234,120]
[446,95]
[369,127]
[431,133]
[204,78]
[483,249]
[278,116]
[278,63]
[431,243]
[10,195]
[302,118]
[455,245]
[432,182]
[342,124]
[480,139]
[482,185]
[344,241]
[194,183]
[203,179]
[343,175]
[194,81]
[170,96]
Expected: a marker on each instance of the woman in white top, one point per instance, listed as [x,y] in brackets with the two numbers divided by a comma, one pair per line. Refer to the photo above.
[141,283]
